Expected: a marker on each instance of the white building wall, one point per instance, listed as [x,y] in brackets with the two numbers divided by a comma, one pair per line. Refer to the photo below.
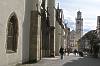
[57,38]
[62,37]
[6,8]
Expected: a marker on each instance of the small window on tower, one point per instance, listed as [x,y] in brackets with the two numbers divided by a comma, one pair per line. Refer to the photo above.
[99,21]
[78,22]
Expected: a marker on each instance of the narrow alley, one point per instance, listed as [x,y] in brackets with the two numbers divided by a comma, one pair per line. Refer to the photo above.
[37,32]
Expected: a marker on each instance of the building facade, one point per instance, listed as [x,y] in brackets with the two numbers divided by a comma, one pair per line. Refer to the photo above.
[11,32]
[29,32]
[73,40]
[98,32]
[98,26]
[51,8]
[45,31]
[59,30]
[67,37]
[20,31]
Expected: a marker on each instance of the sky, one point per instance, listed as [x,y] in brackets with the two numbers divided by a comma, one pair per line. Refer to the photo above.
[90,10]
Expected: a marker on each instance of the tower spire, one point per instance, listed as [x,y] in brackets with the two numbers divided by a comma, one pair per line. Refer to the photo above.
[58,6]
[79,15]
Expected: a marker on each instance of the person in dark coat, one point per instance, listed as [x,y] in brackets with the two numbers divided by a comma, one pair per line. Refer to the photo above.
[68,51]
[81,53]
[61,51]
[75,51]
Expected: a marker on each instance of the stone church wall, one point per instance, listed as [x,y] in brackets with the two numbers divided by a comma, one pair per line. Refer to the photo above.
[6,8]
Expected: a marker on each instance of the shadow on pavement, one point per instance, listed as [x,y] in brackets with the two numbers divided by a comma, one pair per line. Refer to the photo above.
[84,61]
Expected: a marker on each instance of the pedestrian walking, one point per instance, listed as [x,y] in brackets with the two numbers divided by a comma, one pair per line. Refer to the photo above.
[81,53]
[68,51]
[61,51]
[75,52]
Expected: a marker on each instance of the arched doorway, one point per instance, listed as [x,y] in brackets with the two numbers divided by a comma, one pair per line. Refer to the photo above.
[12,34]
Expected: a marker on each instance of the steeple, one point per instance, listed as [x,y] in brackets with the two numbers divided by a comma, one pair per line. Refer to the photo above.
[58,6]
[79,15]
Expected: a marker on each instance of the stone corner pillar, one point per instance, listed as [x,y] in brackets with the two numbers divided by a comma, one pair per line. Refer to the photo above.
[34,47]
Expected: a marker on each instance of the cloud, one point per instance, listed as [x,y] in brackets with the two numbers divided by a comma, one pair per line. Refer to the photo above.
[89,8]
[70,23]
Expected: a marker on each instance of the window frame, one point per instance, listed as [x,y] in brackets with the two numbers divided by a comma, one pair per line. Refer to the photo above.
[13,34]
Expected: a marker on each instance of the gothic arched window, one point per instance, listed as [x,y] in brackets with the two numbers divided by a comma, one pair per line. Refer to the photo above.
[12,33]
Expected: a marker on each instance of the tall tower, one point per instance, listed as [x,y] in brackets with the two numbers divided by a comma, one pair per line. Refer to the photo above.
[79,26]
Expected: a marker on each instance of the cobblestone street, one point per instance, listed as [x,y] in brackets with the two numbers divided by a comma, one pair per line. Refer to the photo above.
[70,60]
